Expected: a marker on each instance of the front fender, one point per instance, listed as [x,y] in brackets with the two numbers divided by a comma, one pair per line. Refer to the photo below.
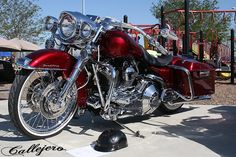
[47,59]
[51,59]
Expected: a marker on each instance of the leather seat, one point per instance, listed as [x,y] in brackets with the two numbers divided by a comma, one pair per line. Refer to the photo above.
[162,60]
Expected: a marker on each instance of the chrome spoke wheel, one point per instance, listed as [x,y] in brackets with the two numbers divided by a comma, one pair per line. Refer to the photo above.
[39,110]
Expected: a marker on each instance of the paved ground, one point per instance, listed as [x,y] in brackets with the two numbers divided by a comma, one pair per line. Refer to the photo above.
[4,91]
[197,130]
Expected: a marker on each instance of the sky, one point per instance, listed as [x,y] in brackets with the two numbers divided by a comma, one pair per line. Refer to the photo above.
[138,11]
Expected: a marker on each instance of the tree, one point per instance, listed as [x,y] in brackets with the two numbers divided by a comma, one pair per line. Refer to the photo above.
[211,24]
[20,19]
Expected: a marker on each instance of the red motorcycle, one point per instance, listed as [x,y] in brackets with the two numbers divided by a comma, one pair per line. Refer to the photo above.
[94,64]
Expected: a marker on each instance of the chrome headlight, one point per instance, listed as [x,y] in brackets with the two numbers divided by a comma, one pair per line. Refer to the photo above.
[76,28]
[86,30]
[51,24]
[67,27]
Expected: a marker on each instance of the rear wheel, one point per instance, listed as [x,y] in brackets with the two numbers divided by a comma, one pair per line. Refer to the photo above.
[169,108]
[33,103]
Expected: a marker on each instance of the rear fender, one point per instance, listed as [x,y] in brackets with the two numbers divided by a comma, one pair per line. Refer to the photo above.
[51,59]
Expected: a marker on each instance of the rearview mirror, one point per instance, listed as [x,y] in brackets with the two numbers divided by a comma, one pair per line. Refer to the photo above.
[166,33]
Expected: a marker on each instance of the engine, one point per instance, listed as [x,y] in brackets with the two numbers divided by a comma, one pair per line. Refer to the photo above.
[135,95]
[132,94]
[141,99]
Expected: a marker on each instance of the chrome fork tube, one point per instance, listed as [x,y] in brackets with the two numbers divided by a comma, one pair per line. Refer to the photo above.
[111,75]
[112,79]
[98,85]
[82,60]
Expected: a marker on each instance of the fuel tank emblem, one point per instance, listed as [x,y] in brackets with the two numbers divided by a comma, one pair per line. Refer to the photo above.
[51,66]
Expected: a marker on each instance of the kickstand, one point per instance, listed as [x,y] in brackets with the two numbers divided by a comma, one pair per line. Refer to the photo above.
[136,134]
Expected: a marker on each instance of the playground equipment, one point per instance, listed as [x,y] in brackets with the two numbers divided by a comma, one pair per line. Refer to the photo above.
[214,52]
[195,44]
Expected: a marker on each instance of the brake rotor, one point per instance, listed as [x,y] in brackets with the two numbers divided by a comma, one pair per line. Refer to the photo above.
[49,106]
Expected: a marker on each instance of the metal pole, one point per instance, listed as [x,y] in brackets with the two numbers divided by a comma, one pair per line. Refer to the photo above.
[83,7]
[183,44]
[174,48]
[162,25]
[162,17]
[186,7]
[125,19]
[232,56]
[201,47]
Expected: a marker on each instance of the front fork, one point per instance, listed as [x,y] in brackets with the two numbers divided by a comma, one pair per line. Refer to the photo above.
[81,62]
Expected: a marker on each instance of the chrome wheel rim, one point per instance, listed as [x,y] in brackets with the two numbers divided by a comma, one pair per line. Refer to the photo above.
[42,118]
[172,106]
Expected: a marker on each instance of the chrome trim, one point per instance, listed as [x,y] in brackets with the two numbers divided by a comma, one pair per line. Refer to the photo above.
[150,99]
[157,79]
[76,37]
[99,54]
[196,99]
[23,61]
[82,60]
[77,24]
[98,85]
[97,34]
[203,97]
[95,105]
[109,72]
[111,88]
[89,75]
[204,73]
[83,25]
[54,24]
[186,71]
[166,33]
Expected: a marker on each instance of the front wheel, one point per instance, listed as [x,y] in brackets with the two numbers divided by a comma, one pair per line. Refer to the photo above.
[33,103]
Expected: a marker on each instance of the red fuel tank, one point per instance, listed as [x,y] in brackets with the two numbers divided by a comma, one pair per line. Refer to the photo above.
[117,44]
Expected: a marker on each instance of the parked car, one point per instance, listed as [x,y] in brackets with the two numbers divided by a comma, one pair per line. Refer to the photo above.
[7,72]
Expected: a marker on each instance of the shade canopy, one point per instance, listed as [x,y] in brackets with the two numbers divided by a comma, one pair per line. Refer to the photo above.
[7,45]
[17,45]
[25,45]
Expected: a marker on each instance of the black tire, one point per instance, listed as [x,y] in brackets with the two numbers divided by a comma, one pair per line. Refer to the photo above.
[13,100]
[167,110]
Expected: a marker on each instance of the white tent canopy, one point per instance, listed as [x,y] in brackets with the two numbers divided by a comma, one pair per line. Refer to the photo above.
[25,45]
[7,45]
[17,45]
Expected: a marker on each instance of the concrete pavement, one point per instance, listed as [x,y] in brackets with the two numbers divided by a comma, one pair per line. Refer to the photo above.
[195,131]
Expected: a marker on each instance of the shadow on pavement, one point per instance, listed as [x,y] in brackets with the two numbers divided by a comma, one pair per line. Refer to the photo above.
[98,124]
[216,134]
[9,133]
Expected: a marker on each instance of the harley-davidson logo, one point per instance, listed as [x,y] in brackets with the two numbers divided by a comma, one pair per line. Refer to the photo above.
[51,66]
